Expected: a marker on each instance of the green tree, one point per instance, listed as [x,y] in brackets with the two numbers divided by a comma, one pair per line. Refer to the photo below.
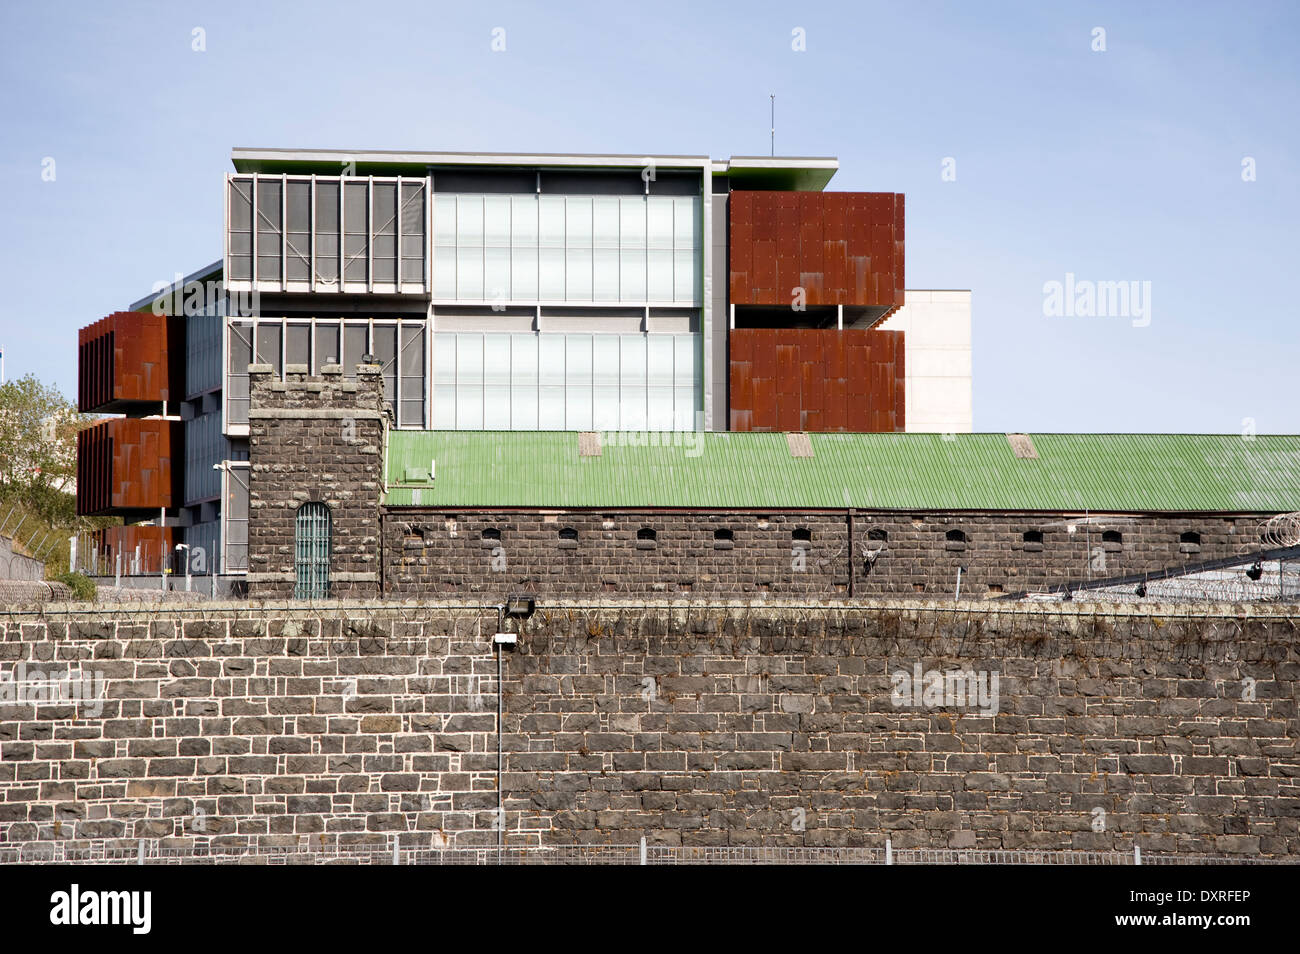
[38,448]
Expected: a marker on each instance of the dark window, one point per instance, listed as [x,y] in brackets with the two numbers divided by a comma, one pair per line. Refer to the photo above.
[327,232]
[801,537]
[568,538]
[312,552]
[646,539]
[723,539]
[1191,536]
[1033,540]
[241,229]
[955,536]
[1112,540]
[270,216]
[297,235]
[491,537]
[875,533]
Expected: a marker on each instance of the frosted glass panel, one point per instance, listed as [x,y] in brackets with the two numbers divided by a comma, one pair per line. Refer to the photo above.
[469,381]
[526,381]
[605,221]
[577,222]
[444,220]
[659,379]
[631,275]
[496,274]
[604,360]
[659,367]
[550,274]
[469,272]
[444,271]
[688,372]
[659,274]
[523,274]
[576,248]
[684,357]
[523,382]
[523,220]
[577,376]
[496,380]
[632,384]
[578,274]
[444,381]
[604,274]
[684,409]
[686,212]
[551,221]
[469,220]
[550,408]
[496,220]
[632,222]
[659,215]
[685,276]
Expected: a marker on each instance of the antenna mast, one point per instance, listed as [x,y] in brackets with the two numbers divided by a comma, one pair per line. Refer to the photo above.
[773,97]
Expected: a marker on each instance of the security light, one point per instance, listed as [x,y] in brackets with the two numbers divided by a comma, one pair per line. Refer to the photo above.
[520,607]
[1256,571]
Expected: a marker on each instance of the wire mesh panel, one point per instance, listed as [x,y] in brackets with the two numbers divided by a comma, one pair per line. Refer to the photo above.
[150,852]
[312,552]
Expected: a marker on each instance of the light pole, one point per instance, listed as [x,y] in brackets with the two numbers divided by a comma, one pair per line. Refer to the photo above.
[186,557]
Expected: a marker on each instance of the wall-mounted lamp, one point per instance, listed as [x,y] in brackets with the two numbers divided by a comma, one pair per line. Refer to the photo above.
[520,607]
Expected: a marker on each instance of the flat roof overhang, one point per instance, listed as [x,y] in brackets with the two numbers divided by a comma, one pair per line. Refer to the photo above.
[750,172]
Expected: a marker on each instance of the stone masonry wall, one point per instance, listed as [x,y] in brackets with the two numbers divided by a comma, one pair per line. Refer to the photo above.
[691,723]
[315,439]
[435,553]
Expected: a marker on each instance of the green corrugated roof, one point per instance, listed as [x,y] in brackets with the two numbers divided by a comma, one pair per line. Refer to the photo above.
[1101,472]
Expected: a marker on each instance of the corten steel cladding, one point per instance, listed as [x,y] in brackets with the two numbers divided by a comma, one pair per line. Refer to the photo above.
[155,548]
[804,379]
[842,248]
[124,465]
[129,360]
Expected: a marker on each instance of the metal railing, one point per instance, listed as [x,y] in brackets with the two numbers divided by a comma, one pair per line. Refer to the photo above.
[118,852]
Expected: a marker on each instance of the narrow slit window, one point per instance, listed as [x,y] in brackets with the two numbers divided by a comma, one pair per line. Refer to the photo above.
[312,552]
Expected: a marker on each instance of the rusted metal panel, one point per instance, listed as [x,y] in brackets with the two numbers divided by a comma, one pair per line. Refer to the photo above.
[842,248]
[129,360]
[125,465]
[154,545]
[816,380]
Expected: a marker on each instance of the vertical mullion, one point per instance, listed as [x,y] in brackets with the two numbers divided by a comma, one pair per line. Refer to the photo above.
[284,230]
[252,224]
[311,238]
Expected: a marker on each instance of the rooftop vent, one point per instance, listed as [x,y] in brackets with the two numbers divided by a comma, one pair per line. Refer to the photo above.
[800,445]
[1022,445]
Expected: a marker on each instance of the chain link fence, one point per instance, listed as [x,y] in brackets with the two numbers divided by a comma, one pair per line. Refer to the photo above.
[152,853]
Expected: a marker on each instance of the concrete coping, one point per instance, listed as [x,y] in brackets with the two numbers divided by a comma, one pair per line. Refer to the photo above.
[260,369]
[295,369]
[331,369]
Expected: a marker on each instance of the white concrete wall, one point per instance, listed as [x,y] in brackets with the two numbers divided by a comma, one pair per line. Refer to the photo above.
[937,343]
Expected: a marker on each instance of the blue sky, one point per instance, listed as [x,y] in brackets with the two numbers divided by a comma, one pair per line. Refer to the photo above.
[1122,165]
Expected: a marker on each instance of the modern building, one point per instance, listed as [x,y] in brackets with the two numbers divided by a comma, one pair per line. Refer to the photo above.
[510,292]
